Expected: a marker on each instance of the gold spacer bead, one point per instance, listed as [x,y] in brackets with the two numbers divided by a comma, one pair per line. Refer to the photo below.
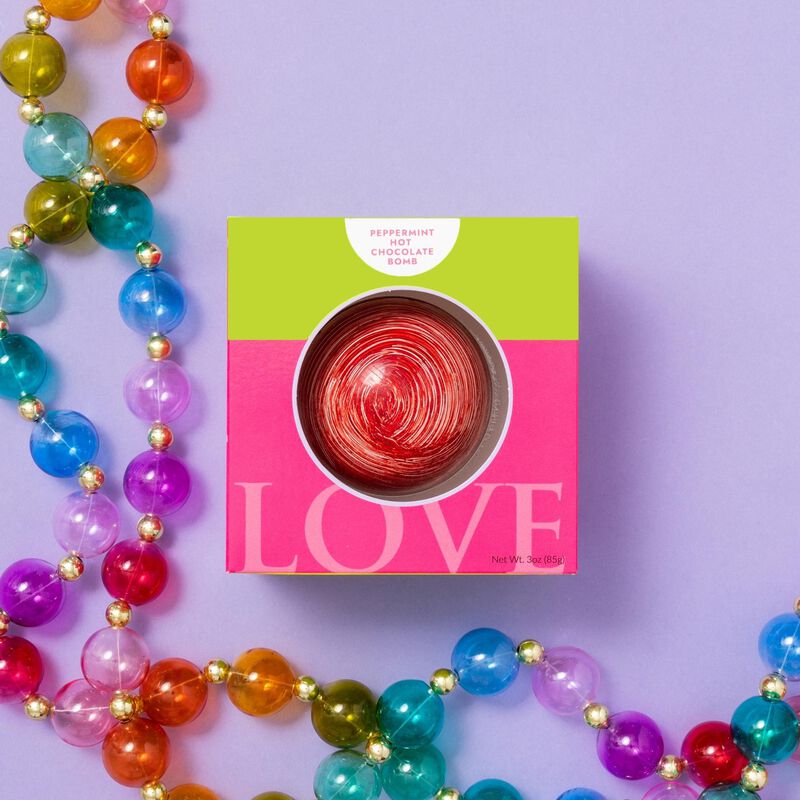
[37,19]
[91,477]
[773,687]
[448,793]
[377,749]
[155,790]
[124,707]
[148,255]
[5,622]
[530,652]
[754,777]
[158,347]
[217,671]
[119,613]
[150,528]
[91,179]
[160,437]
[31,110]
[4,324]
[31,408]
[154,117]
[797,606]
[160,25]
[596,715]
[70,568]
[670,768]
[38,707]
[306,689]
[21,236]
[443,681]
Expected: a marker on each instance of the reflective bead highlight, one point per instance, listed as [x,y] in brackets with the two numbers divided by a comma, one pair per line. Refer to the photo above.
[23,366]
[566,680]
[152,302]
[779,645]
[125,149]
[70,9]
[343,715]
[486,661]
[580,793]
[157,483]
[86,523]
[157,390]
[711,754]
[116,659]
[174,692]
[135,571]
[31,593]
[346,775]
[413,774]
[492,789]
[260,682]
[32,63]
[58,147]
[20,669]
[136,753]
[671,791]
[631,746]
[410,714]
[80,714]
[728,791]
[23,281]
[120,216]
[766,731]
[159,71]
[192,791]
[56,211]
[62,441]
[134,11]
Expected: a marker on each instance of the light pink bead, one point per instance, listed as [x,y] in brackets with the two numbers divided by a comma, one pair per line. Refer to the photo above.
[115,659]
[794,702]
[566,680]
[671,791]
[135,10]
[86,524]
[157,390]
[80,714]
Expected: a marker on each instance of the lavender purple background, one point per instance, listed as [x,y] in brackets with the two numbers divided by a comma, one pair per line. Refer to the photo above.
[671,130]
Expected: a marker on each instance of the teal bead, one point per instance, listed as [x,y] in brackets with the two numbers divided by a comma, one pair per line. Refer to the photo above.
[492,789]
[120,216]
[23,366]
[346,775]
[767,731]
[728,791]
[58,147]
[414,774]
[23,281]
[410,714]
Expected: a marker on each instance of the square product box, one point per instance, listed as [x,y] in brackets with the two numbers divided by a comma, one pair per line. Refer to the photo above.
[402,396]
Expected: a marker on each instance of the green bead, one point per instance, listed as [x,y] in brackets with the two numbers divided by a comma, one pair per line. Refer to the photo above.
[410,714]
[414,774]
[344,713]
[23,281]
[23,366]
[56,210]
[766,731]
[32,63]
[728,791]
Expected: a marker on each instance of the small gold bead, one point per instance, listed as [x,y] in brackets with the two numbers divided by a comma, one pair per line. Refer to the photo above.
[124,707]
[148,255]
[91,179]
[4,324]
[443,681]
[160,437]
[159,25]
[31,408]
[670,768]
[754,777]
[377,749]
[448,793]
[306,689]
[154,117]
[119,613]
[158,347]
[21,236]
[70,568]
[797,606]
[155,790]
[530,652]
[37,19]
[91,477]
[5,622]
[38,707]
[217,671]
[774,687]
[596,715]
[31,110]
[150,528]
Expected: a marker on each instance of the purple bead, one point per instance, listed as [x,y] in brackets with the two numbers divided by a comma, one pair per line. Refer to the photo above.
[157,483]
[671,791]
[135,10]
[115,659]
[631,746]
[86,524]
[31,593]
[80,714]
[157,391]
[566,681]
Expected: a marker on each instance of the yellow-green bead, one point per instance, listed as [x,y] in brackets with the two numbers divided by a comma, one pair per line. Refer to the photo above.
[57,211]
[344,713]
[32,63]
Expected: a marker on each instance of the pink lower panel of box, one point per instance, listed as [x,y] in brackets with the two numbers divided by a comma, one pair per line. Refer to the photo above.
[518,516]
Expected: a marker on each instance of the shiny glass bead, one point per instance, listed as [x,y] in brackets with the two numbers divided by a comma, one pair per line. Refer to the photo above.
[116,659]
[120,216]
[159,71]
[566,680]
[174,692]
[56,211]
[62,441]
[413,774]
[32,64]
[728,791]
[272,796]
[343,715]
[260,682]
[136,753]
[794,702]
[779,645]
[23,281]
[766,731]
[58,147]
[70,9]
[157,483]
[581,794]
[135,571]
[23,366]
[31,593]
[157,390]
[486,661]
[671,791]
[410,714]
[20,669]
[135,10]
[86,523]
[125,149]
[152,301]
[711,754]
[631,746]
[80,714]
[191,791]
[346,775]
[492,789]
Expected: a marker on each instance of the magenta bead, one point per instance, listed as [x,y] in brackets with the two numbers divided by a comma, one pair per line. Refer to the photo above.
[566,681]
[631,746]
[794,702]
[115,659]
[157,483]
[157,391]
[20,669]
[135,10]
[86,524]
[671,791]
[80,714]
[31,593]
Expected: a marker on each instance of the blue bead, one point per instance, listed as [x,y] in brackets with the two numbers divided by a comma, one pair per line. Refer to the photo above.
[62,441]
[23,366]
[120,216]
[486,661]
[152,301]
[581,794]
[492,789]
[767,731]
[779,645]
[58,147]
[23,280]
[728,791]
[413,774]
[410,714]
[346,775]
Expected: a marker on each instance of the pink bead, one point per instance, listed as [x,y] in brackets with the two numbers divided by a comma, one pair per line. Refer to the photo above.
[115,659]
[135,10]
[671,791]
[566,681]
[794,702]
[80,714]
[86,524]
[157,391]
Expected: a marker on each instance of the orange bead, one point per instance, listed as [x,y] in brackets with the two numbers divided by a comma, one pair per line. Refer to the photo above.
[191,791]
[159,71]
[136,753]
[260,682]
[125,150]
[174,692]
[70,9]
